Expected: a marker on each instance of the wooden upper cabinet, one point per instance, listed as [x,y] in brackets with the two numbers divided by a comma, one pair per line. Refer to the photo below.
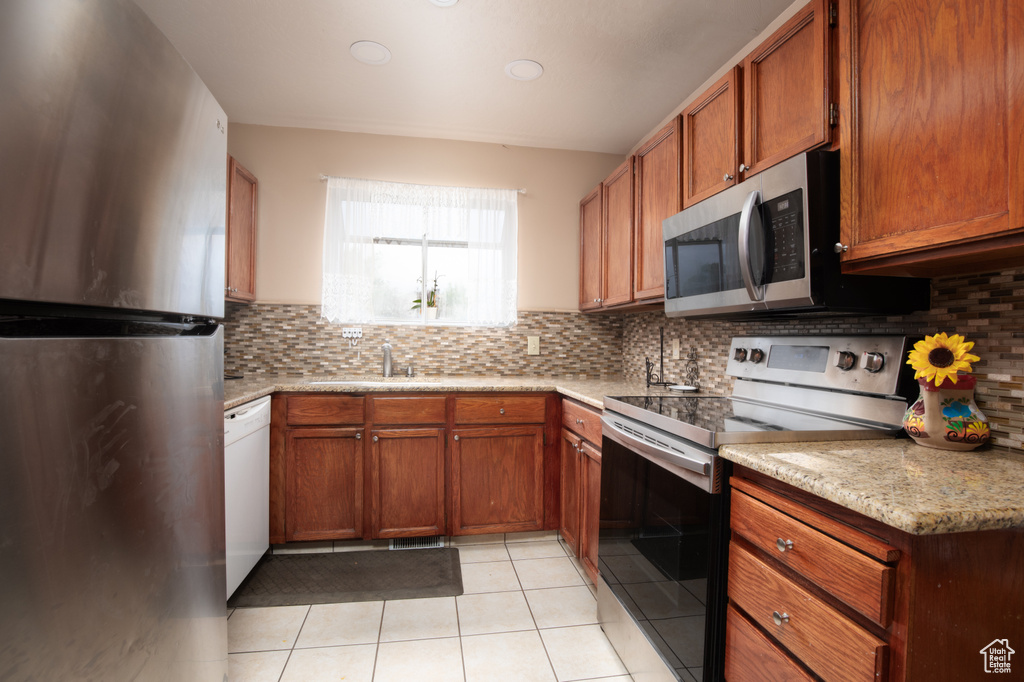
[618,236]
[786,91]
[657,197]
[932,161]
[592,249]
[711,140]
[240,247]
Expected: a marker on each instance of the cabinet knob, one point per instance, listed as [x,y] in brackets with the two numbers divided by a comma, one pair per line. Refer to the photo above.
[375,439]
[359,436]
[784,545]
[780,618]
[744,168]
[577,445]
[456,436]
[840,247]
[501,410]
[727,177]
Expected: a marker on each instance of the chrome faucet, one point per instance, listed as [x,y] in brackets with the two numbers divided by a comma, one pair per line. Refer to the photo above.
[387,358]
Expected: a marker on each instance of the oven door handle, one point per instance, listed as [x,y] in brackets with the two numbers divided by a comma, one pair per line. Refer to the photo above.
[653,451]
[755,291]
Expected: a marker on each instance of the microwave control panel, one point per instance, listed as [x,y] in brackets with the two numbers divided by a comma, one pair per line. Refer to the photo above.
[784,219]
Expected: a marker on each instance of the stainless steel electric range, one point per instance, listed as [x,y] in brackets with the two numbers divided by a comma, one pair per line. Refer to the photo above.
[664,512]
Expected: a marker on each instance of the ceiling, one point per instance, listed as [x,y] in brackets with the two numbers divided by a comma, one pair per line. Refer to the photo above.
[613,69]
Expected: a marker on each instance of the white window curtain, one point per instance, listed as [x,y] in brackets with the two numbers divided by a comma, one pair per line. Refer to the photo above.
[386,243]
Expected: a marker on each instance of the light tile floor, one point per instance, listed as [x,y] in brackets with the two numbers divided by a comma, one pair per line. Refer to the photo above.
[528,614]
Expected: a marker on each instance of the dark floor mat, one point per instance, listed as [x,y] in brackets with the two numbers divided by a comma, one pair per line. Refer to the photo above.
[290,579]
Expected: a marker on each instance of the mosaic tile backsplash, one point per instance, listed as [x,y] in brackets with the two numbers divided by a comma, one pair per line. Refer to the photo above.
[293,339]
[987,309]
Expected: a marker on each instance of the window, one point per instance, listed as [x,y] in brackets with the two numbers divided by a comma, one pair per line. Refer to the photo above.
[386,243]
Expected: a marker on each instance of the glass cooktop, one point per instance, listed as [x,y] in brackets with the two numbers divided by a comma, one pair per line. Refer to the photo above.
[716,420]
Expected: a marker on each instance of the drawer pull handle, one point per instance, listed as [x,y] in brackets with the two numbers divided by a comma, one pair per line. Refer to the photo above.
[456,437]
[579,421]
[784,545]
[501,411]
[359,436]
[375,439]
[780,618]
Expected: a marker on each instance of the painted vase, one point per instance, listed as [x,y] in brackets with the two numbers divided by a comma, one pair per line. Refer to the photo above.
[946,417]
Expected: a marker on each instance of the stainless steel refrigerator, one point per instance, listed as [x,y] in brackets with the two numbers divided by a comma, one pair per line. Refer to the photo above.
[112,209]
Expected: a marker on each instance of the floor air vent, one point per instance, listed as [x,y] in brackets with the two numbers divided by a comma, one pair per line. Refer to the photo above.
[417,543]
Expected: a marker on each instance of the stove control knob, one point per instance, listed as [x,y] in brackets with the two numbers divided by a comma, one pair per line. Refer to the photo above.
[740,355]
[845,360]
[756,355]
[873,362]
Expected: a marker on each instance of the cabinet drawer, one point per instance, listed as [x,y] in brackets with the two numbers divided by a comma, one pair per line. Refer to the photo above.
[582,421]
[324,410]
[752,657]
[503,410]
[408,410]
[855,578]
[827,642]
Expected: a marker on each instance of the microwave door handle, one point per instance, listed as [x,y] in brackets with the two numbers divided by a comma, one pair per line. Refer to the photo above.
[755,291]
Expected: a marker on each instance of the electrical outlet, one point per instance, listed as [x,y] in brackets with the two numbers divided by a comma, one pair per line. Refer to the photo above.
[675,349]
[351,332]
[533,345]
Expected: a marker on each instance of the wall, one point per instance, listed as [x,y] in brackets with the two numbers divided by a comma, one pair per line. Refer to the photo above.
[289,161]
[987,309]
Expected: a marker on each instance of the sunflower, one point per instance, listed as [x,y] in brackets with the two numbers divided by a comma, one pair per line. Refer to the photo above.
[941,357]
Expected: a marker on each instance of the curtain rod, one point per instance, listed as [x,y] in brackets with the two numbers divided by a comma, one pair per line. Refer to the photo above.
[325,178]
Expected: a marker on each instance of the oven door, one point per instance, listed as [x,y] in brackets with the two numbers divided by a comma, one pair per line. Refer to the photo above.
[662,555]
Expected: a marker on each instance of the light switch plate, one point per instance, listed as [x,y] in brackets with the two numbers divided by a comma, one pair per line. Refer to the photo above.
[533,345]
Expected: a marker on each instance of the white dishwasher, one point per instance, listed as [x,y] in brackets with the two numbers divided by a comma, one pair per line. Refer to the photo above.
[246,487]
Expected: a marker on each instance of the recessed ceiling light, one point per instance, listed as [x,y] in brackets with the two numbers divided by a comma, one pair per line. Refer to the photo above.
[444,3]
[524,70]
[369,52]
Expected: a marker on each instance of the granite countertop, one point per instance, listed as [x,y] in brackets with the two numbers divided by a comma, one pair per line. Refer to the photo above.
[918,490]
[922,491]
[588,391]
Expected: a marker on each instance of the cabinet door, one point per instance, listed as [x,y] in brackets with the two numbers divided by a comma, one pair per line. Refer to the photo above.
[324,472]
[932,162]
[407,482]
[618,236]
[785,85]
[657,197]
[569,507]
[590,507]
[591,250]
[240,247]
[711,140]
[497,479]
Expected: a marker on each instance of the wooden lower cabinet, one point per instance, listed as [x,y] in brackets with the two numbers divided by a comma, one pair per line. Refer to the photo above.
[406,482]
[581,482]
[570,507]
[497,478]
[817,591]
[590,504]
[324,473]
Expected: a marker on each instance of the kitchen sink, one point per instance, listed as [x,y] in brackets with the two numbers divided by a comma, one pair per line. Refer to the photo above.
[382,381]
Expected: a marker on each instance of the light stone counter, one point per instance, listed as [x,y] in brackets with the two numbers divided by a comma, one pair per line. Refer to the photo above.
[588,391]
[919,490]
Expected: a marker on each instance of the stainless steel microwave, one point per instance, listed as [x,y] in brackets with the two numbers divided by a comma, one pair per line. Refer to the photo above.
[767,246]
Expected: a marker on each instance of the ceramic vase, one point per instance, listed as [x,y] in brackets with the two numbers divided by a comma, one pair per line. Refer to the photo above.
[431,313]
[946,417]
